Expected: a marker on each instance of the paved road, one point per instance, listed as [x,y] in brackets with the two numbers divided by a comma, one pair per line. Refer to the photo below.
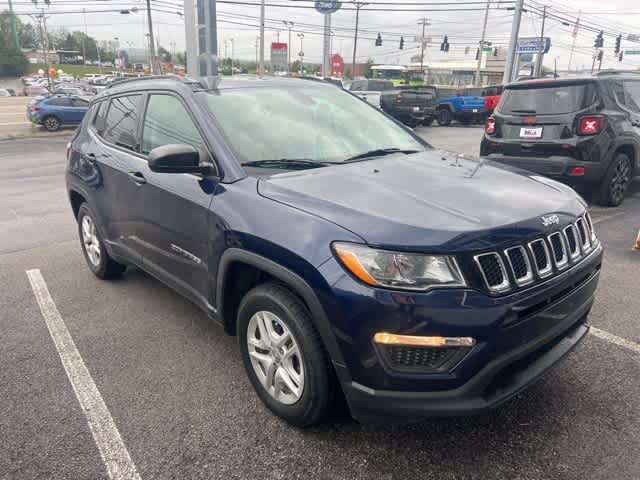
[13,115]
[176,390]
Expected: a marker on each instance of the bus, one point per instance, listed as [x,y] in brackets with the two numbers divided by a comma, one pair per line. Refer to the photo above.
[398,74]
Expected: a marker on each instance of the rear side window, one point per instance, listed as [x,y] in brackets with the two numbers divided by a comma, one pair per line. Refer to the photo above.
[121,122]
[60,102]
[78,102]
[380,85]
[630,96]
[552,100]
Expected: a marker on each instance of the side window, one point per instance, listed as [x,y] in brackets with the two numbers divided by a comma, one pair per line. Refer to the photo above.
[60,102]
[121,121]
[358,86]
[78,102]
[167,121]
[632,95]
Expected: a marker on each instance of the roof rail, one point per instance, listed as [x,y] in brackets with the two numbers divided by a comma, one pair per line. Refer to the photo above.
[169,76]
[613,71]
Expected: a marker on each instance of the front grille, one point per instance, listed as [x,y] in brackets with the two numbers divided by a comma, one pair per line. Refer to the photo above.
[423,359]
[493,271]
[542,257]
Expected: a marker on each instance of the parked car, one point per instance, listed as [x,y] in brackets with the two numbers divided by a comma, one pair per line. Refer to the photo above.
[491,98]
[412,105]
[69,91]
[370,90]
[466,109]
[56,111]
[35,90]
[65,78]
[7,92]
[581,131]
[343,251]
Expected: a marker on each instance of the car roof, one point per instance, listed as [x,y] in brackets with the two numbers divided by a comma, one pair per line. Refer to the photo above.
[175,82]
[580,80]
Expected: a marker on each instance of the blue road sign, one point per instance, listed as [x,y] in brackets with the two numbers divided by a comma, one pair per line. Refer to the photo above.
[534,45]
[327,6]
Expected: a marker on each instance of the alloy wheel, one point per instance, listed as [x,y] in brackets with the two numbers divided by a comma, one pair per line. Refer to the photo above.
[90,240]
[620,180]
[276,357]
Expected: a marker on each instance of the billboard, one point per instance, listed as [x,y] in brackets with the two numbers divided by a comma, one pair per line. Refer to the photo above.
[279,57]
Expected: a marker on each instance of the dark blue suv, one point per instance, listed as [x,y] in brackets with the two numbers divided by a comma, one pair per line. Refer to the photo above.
[348,256]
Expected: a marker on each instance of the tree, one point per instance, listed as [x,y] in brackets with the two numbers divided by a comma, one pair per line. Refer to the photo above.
[347,74]
[164,54]
[181,58]
[12,60]
[367,70]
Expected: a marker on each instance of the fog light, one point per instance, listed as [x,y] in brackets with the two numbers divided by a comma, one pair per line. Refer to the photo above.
[577,171]
[385,338]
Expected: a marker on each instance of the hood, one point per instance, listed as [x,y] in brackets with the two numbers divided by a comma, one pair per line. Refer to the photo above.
[427,200]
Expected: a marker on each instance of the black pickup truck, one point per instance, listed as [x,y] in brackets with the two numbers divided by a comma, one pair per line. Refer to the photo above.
[411,104]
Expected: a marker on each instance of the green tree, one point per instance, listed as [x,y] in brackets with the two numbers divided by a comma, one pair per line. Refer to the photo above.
[367,70]
[12,61]
[164,54]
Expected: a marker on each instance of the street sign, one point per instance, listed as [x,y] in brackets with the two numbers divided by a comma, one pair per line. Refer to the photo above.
[487,49]
[632,52]
[526,57]
[534,45]
[633,38]
[327,6]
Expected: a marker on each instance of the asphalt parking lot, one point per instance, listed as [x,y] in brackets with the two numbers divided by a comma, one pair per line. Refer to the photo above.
[175,388]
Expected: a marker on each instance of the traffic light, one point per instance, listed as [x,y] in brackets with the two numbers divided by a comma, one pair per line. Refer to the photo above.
[379,40]
[600,55]
[599,43]
[401,43]
[478,54]
[618,42]
[495,52]
[620,56]
[444,46]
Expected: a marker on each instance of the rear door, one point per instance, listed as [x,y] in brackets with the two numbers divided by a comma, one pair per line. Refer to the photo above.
[79,109]
[534,118]
[63,109]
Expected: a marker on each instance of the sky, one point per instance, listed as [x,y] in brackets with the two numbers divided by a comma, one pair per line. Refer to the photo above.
[460,20]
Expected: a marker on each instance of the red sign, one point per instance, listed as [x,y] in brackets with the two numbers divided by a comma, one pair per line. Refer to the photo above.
[337,65]
[278,46]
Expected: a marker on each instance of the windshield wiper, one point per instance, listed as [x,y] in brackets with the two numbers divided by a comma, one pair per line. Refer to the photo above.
[287,163]
[379,152]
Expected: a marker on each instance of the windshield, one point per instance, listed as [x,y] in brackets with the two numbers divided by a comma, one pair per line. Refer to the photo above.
[552,100]
[391,74]
[312,123]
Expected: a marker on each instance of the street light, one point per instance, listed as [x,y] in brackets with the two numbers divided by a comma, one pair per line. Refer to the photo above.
[289,24]
[301,37]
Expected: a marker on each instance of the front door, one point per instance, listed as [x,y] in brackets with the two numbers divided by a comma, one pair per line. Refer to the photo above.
[174,241]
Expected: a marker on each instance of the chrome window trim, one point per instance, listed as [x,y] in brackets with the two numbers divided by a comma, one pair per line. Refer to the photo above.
[564,263]
[505,285]
[529,278]
[545,272]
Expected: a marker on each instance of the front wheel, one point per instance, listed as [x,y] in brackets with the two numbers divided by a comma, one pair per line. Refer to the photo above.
[284,356]
[97,257]
[616,182]
[444,118]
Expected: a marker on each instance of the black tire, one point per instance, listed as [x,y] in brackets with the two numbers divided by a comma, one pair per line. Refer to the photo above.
[318,391]
[616,182]
[105,267]
[427,122]
[445,118]
[51,123]
[411,122]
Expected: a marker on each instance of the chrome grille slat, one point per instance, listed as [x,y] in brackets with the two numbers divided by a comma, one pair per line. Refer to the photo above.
[519,254]
[538,247]
[571,237]
[494,282]
[556,240]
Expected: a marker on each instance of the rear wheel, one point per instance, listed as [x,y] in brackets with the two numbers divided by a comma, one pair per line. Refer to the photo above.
[427,122]
[616,182]
[98,260]
[284,356]
[51,124]
[444,118]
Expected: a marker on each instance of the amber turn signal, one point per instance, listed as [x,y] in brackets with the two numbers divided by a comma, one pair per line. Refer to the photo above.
[385,338]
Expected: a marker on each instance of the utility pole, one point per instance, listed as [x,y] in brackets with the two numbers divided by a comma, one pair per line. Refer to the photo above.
[513,43]
[482,40]
[207,40]
[14,30]
[257,45]
[541,52]
[301,37]
[573,44]
[152,43]
[359,5]
[289,24]
[191,37]
[423,40]
[232,44]
[261,66]
[326,46]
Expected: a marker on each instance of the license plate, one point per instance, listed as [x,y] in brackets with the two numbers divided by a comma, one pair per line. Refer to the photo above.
[531,132]
[475,110]
[416,109]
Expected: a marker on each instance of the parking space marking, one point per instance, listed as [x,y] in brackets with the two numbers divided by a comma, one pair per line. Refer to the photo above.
[105,433]
[608,217]
[610,337]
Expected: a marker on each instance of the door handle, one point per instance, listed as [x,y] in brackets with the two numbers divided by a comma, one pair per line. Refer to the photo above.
[137,178]
[91,158]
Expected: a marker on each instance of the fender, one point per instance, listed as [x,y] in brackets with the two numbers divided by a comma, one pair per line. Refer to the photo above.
[447,106]
[293,281]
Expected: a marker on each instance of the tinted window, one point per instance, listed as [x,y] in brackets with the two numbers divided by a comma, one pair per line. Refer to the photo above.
[121,121]
[552,100]
[632,95]
[78,102]
[380,85]
[167,121]
[315,123]
[60,102]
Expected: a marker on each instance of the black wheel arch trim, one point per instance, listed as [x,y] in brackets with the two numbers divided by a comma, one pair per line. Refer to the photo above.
[293,281]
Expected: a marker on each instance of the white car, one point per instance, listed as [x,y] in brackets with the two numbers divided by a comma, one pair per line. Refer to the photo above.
[369,90]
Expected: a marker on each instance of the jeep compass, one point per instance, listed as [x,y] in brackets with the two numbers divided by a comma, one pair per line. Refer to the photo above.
[349,258]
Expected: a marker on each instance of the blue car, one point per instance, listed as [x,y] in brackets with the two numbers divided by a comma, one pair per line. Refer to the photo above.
[349,257]
[55,111]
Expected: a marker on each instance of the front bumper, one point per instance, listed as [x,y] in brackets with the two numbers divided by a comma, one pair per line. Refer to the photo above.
[519,337]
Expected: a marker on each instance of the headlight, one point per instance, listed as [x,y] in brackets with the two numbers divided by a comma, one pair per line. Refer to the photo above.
[408,271]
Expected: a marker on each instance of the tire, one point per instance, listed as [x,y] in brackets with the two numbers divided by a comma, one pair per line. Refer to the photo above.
[271,311]
[51,124]
[616,182]
[427,122]
[412,122]
[95,254]
[444,118]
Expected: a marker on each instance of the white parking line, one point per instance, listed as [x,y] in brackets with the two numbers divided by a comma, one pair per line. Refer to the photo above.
[610,337]
[112,449]
[608,217]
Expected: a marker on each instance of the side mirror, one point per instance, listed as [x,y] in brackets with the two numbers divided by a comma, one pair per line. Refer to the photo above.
[175,158]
